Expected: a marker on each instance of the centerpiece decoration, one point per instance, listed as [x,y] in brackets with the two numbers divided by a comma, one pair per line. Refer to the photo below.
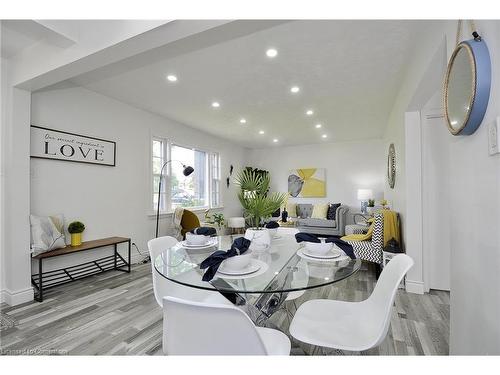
[258,203]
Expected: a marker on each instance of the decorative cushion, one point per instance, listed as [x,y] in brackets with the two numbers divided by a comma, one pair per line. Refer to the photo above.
[291,208]
[332,211]
[319,211]
[47,233]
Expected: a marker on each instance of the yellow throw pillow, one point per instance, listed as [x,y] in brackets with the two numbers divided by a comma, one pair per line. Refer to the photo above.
[291,208]
[319,211]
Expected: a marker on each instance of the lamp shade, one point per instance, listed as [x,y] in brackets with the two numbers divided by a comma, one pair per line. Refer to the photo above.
[364,194]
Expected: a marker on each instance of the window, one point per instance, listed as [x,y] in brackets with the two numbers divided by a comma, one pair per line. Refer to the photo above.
[199,190]
[215,178]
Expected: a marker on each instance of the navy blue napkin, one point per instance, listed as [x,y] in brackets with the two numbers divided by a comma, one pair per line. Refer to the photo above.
[272,224]
[343,245]
[204,231]
[212,263]
[307,237]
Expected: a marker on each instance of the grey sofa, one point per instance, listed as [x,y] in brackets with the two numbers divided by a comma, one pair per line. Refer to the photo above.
[321,226]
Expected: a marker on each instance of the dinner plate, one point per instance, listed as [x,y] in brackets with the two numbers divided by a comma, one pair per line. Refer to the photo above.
[210,243]
[251,268]
[333,253]
[301,254]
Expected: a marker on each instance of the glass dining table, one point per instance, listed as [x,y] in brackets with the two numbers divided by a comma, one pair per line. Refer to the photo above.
[279,270]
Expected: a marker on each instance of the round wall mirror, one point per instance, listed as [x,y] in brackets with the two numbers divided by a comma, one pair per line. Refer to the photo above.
[467,87]
[391,166]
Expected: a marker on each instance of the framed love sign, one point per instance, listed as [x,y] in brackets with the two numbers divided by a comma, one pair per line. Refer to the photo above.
[59,145]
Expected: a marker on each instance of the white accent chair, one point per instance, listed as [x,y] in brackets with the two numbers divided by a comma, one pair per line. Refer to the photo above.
[196,328]
[352,326]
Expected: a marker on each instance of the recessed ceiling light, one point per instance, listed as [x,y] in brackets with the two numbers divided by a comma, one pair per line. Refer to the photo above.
[294,89]
[271,52]
[318,126]
[172,78]
[309,112]
[324,136]
[261,132]
[215,104]
[243,121]
[275,140]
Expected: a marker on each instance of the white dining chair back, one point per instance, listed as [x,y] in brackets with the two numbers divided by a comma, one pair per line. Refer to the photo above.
[353,326]
[195,328]
[161,286]
[382,298]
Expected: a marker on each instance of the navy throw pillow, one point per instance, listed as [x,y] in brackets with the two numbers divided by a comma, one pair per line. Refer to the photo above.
[332,211]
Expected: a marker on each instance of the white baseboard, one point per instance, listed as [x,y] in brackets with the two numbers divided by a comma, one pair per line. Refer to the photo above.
[17,297]
[416,287]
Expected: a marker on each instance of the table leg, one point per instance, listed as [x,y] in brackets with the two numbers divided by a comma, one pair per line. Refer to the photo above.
[114,257]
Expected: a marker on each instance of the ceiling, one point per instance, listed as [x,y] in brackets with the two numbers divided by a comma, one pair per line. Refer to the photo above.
[348,72]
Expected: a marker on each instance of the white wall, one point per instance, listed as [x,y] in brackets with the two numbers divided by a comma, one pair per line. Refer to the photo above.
[349,166]
[16,285]
[474,211]
[475,223]
[111,200]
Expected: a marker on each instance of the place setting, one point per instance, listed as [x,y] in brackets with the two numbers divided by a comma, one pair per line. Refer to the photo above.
[272,228]
[200,238]
[315,249]
[235,263]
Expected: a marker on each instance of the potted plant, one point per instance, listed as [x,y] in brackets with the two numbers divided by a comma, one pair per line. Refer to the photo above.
[216,219]
[75,229]
[258,203]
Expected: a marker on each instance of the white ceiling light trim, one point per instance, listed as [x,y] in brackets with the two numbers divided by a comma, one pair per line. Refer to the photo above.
[261,132]
[294,89]
[275,140]
[172,78]
[243,121]
[309,112]
[324,136]
[318,126]
[215,104]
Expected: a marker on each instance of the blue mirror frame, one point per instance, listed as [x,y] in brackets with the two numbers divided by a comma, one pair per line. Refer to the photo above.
[480,87]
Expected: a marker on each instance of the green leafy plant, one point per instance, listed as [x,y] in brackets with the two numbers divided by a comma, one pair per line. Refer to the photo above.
[371,202]
[215,218]
[254,195]
[76,227]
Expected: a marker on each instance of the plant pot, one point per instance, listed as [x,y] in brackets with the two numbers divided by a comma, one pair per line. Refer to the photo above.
[76,239]
[260,237]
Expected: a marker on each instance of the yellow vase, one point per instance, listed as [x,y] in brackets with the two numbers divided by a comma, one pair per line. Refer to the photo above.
[76,239]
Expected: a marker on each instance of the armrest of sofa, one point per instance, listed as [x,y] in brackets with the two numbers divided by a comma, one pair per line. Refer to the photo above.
[341,218]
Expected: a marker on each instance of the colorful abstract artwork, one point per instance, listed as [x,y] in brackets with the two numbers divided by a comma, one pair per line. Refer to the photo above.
[307,183]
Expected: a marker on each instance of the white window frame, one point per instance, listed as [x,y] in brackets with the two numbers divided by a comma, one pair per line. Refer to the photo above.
[167,150]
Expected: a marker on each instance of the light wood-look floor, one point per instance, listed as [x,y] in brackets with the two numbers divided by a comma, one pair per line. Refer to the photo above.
[116,313]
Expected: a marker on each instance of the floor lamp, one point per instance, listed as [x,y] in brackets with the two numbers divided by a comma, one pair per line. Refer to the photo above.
[186,172]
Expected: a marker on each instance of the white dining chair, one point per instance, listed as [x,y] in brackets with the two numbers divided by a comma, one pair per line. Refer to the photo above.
[163,287]
[352,326]
[198,328]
